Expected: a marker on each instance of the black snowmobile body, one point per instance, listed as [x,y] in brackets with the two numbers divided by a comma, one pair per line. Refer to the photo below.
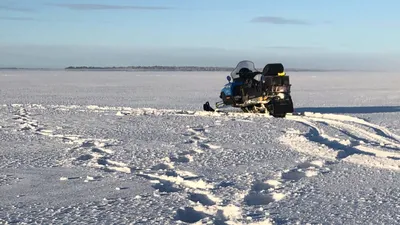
[257,92]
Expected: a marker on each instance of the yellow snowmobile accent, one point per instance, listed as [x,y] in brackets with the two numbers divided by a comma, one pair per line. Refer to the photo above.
[282,74]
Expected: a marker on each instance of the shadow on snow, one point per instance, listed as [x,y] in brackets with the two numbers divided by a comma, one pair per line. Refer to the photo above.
[350,109]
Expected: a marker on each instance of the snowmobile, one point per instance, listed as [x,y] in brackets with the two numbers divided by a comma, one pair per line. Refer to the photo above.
[256,91]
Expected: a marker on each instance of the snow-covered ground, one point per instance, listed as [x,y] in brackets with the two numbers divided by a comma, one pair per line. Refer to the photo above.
[136,148]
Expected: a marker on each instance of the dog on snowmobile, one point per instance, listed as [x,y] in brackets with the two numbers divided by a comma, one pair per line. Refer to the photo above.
[254,91]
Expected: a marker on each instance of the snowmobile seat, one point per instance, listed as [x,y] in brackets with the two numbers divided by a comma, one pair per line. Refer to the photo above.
[273,69]
[246,73]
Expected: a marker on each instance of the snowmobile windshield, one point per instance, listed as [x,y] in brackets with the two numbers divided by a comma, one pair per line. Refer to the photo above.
[243,64]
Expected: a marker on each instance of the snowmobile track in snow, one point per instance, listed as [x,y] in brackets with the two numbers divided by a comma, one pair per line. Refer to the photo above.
[378,148]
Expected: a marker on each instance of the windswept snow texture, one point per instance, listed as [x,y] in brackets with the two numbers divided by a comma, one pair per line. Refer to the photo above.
[136,148]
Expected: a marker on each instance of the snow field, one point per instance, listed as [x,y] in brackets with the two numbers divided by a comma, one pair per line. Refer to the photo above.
[135,161]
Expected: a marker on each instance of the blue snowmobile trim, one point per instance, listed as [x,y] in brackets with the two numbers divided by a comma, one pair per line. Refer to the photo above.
[229,87]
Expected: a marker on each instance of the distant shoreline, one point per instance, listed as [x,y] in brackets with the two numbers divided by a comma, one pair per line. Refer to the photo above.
[181,68]
[163,69]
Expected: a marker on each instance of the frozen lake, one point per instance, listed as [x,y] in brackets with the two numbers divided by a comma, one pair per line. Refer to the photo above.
[136,147]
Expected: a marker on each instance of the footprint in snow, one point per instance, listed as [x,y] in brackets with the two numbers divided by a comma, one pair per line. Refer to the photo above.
[189,215]
[165,186]
[305,169]
[269,191]
[263,193]
[167,179]
[181,158]
[203,199]
[95,153]
[207,146]
[198,140]
[162,166]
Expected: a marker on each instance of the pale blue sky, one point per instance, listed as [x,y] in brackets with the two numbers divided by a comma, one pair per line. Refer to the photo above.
[299,33]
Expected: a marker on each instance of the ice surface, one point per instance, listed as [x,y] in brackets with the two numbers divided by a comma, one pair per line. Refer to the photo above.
[136,148]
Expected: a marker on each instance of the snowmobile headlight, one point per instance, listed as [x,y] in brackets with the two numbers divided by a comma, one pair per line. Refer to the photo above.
[281,95]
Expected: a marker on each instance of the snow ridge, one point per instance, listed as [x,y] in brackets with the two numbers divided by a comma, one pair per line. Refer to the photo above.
[129,111]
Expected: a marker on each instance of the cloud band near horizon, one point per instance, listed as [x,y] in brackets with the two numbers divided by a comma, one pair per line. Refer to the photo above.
[14,8]
[107,7]
[14,18]
[278,20]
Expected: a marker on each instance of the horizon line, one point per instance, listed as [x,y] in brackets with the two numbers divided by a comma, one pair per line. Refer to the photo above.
[160,69]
